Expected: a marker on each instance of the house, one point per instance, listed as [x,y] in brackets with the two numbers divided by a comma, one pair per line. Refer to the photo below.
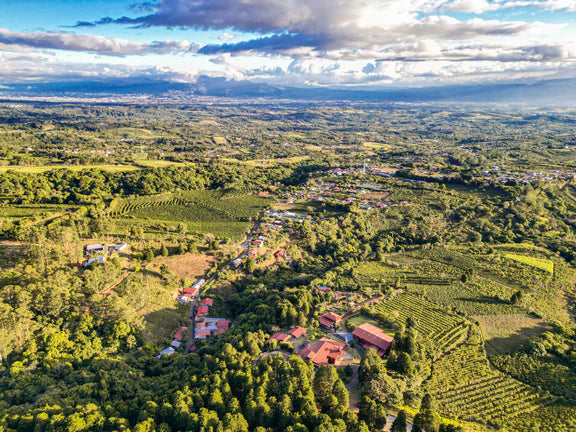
[176,344]
[206,302]
[190,290]
[279,254]
[201,311]
[198,283]
[236,263]
[180,333]
[184,298]
[279,337]
[121,246]
[222,326]
[253,253]
[99,260]
[371,336]
[258,243]
[92,249]
[324,352]
[203,334]
[296,332]
[324,289]
[168,351]
[329,320]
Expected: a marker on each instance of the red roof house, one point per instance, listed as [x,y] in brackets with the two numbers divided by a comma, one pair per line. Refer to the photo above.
[223,325]
[206,302]
[325,351]
[372,337]
[296,332]
[324,289]
[203,334]
[330,319]
[190,290]
[180,333]
[279,337]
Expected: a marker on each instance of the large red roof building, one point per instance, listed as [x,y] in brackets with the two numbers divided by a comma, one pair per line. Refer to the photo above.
[371,336]
[325,351]
[296,332]
[330,320]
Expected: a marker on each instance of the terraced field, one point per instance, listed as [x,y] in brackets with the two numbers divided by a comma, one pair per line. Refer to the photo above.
[220,212]
[466,387]
[445,329]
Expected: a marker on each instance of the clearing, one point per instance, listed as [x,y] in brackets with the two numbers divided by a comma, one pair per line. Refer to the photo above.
[506,333]
[188,266]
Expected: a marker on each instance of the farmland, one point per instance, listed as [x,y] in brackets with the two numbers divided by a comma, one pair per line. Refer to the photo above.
[449,228]
[224,213]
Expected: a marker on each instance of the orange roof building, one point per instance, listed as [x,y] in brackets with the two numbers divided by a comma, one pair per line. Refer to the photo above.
[324,352]
[372,337]
[330,320]
[296,332]
[279,337]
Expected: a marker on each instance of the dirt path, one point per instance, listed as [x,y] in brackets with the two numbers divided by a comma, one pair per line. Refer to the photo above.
[111,287]
[245,245]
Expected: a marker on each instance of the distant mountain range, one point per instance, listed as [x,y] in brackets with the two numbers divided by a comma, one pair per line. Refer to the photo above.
[557,92]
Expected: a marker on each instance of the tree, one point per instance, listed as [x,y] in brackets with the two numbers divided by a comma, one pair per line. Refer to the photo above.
[182,248]
[516,297]
[404,364]
[164,251]
[372,413]
[250,265]
[148,254]
[399,424]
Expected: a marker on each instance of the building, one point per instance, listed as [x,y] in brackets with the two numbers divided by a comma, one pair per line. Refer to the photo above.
[206,302]
[203,334]
[180,333]
[168,351]
[296,332]
[279,337]
[324,352]
[236,263]
[324,289]
[97,260]
[121,247]
[190,290]
[329,320]
[371,336]
[92,249]
[184,298]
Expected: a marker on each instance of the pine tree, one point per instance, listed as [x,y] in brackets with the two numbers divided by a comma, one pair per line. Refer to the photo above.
[399,424]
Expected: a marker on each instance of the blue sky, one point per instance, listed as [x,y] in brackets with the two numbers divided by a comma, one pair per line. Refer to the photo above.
[340,43]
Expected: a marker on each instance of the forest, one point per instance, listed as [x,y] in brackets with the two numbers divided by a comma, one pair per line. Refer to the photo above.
[449,228]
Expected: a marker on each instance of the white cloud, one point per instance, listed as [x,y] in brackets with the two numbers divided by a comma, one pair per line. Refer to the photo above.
[226,36]
[86,43]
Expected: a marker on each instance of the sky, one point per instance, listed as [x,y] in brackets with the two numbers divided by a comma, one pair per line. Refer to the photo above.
[368,44]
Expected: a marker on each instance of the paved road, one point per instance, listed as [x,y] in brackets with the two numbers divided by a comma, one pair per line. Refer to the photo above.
[245,245]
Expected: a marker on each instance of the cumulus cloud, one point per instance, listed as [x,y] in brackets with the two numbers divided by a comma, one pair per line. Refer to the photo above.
[324,25]
[92,44]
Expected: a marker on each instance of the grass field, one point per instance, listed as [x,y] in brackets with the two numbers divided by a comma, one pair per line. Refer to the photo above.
[355,320]
[539,263]
[506,333]
[377,146]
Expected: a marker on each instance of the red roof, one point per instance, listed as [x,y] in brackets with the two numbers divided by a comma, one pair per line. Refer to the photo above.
[180,333]
[280,337]
[324,289]
[186,295]
[373,337]
[223,325]
[190,290]
[206,302]
[296,332]
[325,351]
[203,333]
[202,310]
[201,325]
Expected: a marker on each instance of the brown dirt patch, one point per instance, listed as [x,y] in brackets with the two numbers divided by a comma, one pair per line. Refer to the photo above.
[188,266]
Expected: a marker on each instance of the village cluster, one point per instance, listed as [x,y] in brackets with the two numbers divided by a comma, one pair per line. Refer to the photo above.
[203,326]
[330,192]
[327,351]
